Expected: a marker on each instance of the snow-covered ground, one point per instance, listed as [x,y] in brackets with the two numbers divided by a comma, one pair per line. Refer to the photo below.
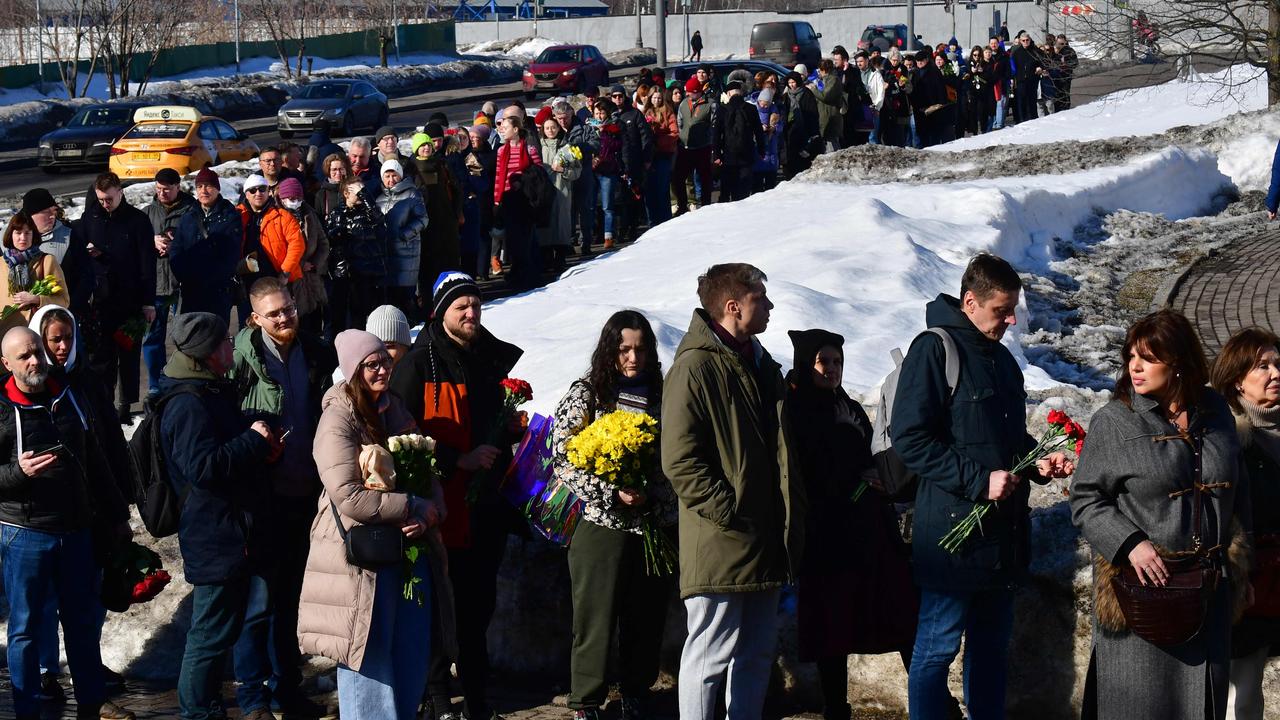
[527,48]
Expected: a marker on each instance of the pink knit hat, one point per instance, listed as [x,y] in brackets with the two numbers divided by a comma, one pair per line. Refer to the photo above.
[353,347]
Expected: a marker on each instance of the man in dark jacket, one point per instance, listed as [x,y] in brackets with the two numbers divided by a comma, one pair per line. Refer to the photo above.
[801,126]
[726,448]
[739,144]
[587,140]
[1026,62]
[928,91]
[67,247]
[48,503]
[280,374]
[856,97]
[1068,60]
[637,155]
[206,249]
[214,458]
[450,382]
[119,238]
[959,443]
[164,213]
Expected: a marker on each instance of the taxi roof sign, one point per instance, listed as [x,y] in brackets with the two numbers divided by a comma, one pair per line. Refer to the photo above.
[166,112]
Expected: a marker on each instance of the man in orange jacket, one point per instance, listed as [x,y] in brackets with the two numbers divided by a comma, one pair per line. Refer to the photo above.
[273,241]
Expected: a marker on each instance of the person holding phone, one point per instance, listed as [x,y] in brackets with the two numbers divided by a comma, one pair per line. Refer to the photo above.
[48,501]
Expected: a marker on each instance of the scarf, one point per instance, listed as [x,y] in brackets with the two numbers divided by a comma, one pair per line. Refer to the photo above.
[19,262]
[1266,427]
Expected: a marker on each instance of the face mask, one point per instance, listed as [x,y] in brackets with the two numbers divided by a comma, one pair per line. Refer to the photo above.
[291,204]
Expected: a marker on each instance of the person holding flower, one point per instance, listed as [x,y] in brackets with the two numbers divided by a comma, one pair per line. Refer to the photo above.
[613,594]
[856,594]
[961,441]
[27,266]
[359,617]
[1247,374]
[1158,487]
[565,163]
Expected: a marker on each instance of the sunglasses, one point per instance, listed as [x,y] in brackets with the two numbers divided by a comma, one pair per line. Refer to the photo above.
[255,191]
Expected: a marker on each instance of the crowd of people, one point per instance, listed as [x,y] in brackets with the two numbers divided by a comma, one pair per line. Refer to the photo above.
[269,437]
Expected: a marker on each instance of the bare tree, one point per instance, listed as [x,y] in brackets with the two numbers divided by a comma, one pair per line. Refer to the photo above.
[381,17]
[131,36]
[1231,32]
[69,37]
[285,22]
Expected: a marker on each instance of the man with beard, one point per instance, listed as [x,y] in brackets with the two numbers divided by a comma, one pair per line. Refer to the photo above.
[48,501]
[280,374]
[164,213]
[206,249]
[450,382]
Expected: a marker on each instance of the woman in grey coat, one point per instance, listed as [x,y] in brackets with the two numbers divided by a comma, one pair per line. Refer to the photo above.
[405,214]
[558,155]
[1132,498]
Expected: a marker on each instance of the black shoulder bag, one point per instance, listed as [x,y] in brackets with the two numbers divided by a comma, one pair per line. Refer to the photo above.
[371,547]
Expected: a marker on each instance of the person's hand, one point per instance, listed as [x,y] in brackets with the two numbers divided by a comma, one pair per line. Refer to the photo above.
[1001,484]
[414,527]
[518,422]
[262,429]
[34,465]
[1055,465]
[481,458]
[556,166]
[428,511]
[871,477]
[461,220]
[631,498]
[308,266]
[162,244]
[93,250]
[25,299]
[1271,215]
[149,314]
[1151,569]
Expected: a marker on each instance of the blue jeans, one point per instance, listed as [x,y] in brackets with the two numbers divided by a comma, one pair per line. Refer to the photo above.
[393,673]
[584,204]
[657,189]
[234,614]
[606,185]
[874,137]
[153,341]
[36,564]
[48,641]
[985,621]
[997,120]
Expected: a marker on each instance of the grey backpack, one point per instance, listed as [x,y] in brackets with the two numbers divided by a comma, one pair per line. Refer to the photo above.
[899,482]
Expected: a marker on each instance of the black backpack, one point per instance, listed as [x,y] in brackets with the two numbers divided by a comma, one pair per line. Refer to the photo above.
[159,504]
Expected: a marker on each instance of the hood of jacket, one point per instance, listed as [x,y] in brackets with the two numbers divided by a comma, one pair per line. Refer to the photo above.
[944,312]
[38,318]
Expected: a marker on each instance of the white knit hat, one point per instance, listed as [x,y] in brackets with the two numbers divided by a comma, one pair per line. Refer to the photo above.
[392,165]
[389,324]
[800,68]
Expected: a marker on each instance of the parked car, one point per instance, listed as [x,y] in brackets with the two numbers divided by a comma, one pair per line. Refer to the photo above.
[566,69]
[85,140]
[346,104]
[178,137]
[786,43]
[888,36]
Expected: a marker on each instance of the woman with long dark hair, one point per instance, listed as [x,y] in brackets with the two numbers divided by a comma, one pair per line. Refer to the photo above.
[1156,494]
[612,593]
[360,617]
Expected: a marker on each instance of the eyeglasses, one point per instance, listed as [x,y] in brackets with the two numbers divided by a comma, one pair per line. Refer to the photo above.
[256,190]
[374,366]
[271,161]
[617,95]
[283,313]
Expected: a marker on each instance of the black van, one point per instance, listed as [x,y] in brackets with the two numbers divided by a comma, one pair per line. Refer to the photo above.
[786,43]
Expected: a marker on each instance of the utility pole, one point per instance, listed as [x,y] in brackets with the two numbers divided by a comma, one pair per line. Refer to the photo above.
[639,24]
[911,26]
[688,47]
[660,14]
[40,42]
[236,11]
[395,28]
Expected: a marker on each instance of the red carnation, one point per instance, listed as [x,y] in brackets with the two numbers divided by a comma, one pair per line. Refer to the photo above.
[519,388]
[1073,430]
[122,340]
[1057,417]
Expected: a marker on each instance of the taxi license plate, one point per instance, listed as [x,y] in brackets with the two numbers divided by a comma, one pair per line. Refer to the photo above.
[67,153]
[146,156]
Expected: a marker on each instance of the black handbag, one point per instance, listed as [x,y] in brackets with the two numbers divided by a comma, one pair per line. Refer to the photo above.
[371,547]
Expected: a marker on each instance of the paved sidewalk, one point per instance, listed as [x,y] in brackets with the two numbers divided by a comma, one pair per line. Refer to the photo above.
[1238,286]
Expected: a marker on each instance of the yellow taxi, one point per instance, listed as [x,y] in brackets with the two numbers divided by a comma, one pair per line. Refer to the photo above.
[178,137]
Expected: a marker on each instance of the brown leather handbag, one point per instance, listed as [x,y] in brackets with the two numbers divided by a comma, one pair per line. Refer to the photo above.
[1174,613]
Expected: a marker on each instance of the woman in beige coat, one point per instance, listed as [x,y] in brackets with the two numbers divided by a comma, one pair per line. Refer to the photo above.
[25,263]
[360,618]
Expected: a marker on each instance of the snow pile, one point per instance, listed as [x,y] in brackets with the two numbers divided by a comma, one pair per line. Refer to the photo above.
[526,48]
[862,263]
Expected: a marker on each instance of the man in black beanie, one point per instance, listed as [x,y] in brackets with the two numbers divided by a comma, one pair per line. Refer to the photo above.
[57,239]
[451,383]
[215,458]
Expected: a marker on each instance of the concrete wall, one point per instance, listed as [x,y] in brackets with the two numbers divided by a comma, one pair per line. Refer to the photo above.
[728,33]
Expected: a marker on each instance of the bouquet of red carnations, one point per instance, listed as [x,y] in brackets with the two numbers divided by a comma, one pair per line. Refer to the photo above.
[515,392]
[133,576]
[1063,433]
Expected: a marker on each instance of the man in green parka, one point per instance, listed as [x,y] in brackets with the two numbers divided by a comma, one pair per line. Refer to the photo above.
[726,451]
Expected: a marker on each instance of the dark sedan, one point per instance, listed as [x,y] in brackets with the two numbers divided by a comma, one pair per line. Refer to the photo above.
[85,141]
[346,104]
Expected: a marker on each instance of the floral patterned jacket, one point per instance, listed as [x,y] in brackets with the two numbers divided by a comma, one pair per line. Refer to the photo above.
[577,409]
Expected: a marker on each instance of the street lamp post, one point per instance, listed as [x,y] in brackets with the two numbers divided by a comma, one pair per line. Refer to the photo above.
[40,42]
[639,25]
[236,11]
[660,14]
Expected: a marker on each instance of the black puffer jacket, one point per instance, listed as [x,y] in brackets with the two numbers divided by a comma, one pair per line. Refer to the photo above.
[66,497]
[740,136]
[125,271]
[637,141]
[357,242]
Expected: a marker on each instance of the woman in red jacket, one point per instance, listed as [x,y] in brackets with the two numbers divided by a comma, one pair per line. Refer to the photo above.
[660,111]
[513,220]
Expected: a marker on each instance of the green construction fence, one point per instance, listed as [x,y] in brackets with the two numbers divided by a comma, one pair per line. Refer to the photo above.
[437,37]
